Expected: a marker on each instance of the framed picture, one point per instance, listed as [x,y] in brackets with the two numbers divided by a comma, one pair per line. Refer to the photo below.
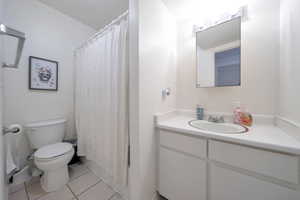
[43,74]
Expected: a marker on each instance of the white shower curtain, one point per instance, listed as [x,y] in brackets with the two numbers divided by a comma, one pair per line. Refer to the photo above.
[101,101]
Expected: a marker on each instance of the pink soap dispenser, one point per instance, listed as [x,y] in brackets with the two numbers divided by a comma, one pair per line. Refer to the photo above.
[237,112]
[240,116]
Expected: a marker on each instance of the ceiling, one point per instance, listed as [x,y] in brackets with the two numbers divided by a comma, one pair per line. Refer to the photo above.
[94,13]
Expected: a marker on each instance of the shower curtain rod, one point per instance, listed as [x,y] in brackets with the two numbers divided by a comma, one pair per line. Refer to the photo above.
[125,14]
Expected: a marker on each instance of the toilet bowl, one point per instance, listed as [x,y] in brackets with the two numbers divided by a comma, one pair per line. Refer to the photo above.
[52,155]
[53,160]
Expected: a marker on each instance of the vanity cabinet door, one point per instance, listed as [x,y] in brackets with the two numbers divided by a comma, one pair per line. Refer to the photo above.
[181,177]
[229,185]
[272,164]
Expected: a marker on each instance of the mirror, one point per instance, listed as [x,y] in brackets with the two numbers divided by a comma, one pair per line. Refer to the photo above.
[219,55]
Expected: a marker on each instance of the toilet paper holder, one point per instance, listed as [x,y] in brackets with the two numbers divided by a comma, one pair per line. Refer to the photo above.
[6,130]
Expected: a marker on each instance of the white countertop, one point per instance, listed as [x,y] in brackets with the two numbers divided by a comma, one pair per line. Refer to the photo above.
[261,136]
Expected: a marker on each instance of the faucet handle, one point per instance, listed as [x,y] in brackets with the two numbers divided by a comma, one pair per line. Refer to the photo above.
[212,118]
[221,119]
[216,119]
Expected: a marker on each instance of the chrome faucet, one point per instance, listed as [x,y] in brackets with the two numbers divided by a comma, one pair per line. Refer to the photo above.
[216,119]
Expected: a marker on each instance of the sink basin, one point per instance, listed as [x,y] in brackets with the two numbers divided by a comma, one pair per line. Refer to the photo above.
[226,128]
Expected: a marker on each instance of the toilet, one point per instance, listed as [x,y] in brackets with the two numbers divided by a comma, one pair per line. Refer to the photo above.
[51,154]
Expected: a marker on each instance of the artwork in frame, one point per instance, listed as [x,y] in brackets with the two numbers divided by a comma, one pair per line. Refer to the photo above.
[43,74]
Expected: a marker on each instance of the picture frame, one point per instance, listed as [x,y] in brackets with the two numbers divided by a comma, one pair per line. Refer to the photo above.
[43,74]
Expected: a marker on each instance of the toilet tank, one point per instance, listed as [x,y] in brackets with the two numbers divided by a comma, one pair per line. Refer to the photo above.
[45,132]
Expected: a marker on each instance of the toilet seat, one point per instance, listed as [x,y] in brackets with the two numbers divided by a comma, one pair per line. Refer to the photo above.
[53,151]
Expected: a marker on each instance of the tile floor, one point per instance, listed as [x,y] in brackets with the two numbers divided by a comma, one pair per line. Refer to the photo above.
[83,185]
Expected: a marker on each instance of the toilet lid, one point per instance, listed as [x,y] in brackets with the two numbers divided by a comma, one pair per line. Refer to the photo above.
[53,150]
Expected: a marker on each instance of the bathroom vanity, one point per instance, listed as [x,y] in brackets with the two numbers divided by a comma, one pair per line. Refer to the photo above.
[261,164]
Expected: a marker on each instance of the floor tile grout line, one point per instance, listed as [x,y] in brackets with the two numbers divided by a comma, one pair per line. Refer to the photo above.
[39,197]
[47,193]
[26,191]
[74,195]
[91,171]
[25,186]
[88,171]
[114,194]
[108,185]
[30,183]
[10,193]
[87,188]
[94,173]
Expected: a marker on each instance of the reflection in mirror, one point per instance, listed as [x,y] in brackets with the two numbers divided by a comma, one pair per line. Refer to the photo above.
[219,55]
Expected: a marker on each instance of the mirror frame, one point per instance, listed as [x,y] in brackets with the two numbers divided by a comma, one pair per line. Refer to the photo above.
[240,13]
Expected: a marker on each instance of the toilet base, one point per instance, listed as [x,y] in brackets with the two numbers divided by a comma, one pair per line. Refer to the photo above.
[55,179]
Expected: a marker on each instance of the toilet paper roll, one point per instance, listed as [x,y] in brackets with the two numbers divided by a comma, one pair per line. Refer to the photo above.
[16,138]
[17,127]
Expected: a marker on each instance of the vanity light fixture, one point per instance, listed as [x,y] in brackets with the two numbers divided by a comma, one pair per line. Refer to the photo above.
[225,17]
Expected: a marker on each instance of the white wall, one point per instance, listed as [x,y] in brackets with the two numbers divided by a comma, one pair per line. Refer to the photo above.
[260,53]
[3,187]
[51,35]
[157,70]
[289,87]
